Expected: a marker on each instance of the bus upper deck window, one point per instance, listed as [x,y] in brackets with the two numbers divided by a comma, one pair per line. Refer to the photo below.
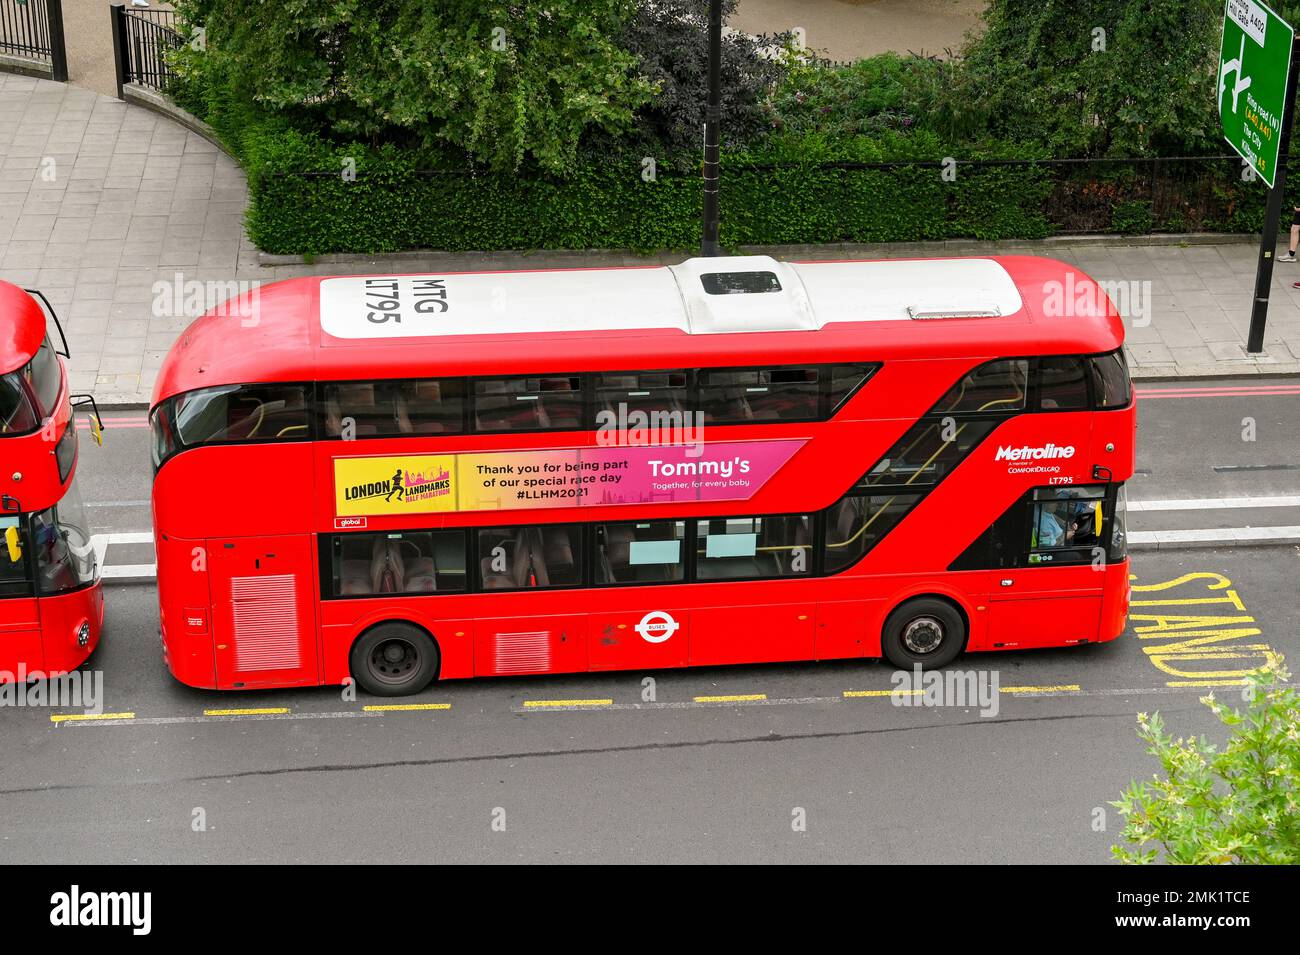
[1062,384]
[242,413]
[17,416]
[993,388]
[1110,380]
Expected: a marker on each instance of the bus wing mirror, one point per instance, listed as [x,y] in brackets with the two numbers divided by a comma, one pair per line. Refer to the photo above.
[49,310]
[96,422]
[14,543]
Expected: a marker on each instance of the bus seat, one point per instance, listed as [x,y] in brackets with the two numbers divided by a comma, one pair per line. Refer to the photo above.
[557,554]
[517,550]
[354,578]
[387,569]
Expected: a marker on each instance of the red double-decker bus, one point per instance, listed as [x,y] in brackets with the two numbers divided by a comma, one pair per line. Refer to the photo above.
[733,460]
[51,602]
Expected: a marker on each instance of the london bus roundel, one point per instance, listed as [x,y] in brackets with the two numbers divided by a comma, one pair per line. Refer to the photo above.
[657,626]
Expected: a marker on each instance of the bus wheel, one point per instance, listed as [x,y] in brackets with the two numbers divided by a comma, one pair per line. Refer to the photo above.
[925,631]
[394,659]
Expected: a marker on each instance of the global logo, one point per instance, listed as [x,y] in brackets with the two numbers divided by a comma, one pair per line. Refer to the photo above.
[657,626]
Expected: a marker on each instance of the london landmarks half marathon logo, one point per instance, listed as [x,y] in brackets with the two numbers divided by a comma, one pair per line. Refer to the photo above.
[407,485]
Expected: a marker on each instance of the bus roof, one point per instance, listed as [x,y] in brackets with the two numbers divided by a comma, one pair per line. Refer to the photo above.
[718,311]
[22,327]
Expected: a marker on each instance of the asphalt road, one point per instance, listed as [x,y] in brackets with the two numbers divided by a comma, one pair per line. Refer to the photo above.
[658,774]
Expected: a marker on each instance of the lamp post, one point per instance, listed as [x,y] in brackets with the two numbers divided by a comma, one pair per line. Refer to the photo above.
[712,123]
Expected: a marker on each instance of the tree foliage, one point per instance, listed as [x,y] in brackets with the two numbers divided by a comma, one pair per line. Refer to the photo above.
[669,38]
[505,82]
[1239,804]
[1096,77]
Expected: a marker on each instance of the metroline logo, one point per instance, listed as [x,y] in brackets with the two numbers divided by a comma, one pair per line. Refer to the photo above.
[1049,452]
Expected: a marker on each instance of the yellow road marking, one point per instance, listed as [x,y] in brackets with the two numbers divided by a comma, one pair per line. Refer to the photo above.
[402,707]
[536,703]
[742,698]
[855,693]
[1064,688]
[263,711]
[79,717]
[1241,682]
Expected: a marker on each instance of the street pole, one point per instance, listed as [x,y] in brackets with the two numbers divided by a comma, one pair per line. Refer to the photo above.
[1273,215]
[712,122]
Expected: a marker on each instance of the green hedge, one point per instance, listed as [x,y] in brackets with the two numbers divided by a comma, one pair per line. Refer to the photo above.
[301,202]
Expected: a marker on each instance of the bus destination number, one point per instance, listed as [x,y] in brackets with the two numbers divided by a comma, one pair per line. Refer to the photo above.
[384,298]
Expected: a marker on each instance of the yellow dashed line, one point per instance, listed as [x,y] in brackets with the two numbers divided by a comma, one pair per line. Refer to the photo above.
[404,707]
[1065,688]
[850,694]
[743,698]
[264,711]
[538,703]
[80,717]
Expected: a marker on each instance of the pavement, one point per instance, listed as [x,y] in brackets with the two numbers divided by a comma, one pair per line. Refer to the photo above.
[112,210]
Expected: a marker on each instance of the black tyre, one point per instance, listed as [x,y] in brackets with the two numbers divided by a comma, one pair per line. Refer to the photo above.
[394,659]
[926,631]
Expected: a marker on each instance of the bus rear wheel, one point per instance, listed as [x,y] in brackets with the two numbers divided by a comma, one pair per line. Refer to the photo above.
[925,631]
[394,659]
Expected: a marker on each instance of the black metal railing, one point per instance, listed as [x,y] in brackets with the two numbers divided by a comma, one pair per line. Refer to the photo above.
[33,29]
[141,41]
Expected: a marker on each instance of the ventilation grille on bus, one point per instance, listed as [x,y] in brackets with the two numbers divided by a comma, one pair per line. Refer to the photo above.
[522,652]
[265,611]
[930,314]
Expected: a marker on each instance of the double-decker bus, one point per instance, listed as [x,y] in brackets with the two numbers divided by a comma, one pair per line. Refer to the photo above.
[732,460]
[51,602]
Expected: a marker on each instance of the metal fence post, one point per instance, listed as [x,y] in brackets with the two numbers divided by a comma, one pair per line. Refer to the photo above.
[121,52]
[58,46]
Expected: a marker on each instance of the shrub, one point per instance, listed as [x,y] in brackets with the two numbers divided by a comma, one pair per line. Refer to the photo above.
[1240,804]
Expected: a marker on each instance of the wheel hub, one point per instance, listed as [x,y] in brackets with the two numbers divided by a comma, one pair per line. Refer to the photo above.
[923,635]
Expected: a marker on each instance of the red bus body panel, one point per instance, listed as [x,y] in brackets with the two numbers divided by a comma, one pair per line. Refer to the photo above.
[272,502]
[38,635]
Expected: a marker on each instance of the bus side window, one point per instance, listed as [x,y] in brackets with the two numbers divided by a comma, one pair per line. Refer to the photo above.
[14,580]
[1111,387]
[640,552]
[1065,524]
[411,562]
[242,413]
[547,403]
[854,524]
[515,558]
[738,548]
[1062,384]
[743,395]
[996,387]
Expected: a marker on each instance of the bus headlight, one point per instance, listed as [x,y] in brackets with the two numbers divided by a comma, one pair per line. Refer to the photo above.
[83,633]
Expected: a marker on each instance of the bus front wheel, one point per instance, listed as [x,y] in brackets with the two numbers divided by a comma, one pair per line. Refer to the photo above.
[927,631]
[394,659]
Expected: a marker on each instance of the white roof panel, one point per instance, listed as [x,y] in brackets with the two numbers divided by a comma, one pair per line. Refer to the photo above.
[796,297]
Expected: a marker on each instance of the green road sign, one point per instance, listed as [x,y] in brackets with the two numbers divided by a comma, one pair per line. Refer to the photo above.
[1254,64]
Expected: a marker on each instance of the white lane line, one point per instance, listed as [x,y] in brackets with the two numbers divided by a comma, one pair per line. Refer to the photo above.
[129,572]
[1211,504]
[161,720]
[1216,535]
[116,503]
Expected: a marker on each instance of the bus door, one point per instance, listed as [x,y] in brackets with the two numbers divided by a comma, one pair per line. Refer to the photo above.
[263,617]
[1055,598]
[20,620]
